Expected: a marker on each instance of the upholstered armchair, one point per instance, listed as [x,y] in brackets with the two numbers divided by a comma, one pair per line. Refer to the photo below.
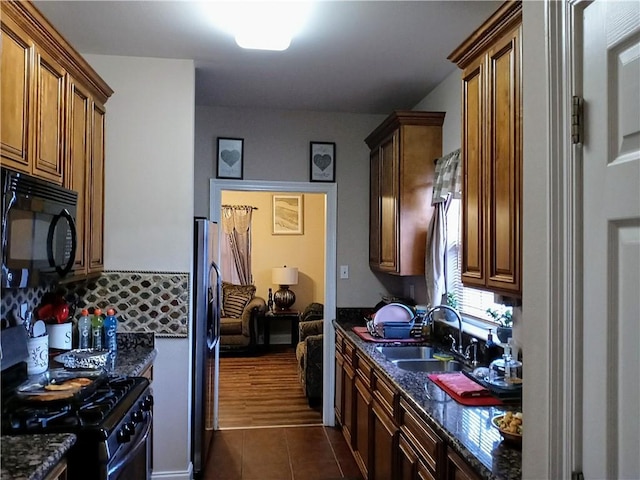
[238,322]
[309,351]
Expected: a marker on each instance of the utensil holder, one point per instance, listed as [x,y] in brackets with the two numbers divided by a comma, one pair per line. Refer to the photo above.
[38,359]
[60,335]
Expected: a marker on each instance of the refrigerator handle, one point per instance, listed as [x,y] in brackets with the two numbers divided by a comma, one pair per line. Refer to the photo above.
[213,332]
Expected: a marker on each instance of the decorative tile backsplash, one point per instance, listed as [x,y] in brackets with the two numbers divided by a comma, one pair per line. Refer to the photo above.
[155,302]
[12,298]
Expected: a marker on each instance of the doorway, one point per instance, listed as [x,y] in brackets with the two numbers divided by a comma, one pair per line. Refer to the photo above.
[330,194]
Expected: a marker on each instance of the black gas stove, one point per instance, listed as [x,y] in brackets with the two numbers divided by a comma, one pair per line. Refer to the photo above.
[112,423]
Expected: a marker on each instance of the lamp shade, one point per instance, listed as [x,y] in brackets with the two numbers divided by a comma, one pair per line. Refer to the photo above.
[284,275]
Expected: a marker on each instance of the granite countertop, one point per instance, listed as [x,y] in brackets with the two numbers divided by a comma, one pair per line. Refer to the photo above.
[135,353]
[466,429]
[32,457]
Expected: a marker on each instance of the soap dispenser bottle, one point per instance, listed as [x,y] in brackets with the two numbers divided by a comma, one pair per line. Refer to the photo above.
[492,351]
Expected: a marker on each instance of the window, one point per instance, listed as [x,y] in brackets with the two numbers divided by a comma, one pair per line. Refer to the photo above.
[471,301]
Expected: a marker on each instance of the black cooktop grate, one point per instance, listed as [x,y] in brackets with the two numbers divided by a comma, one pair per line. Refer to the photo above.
[99,411]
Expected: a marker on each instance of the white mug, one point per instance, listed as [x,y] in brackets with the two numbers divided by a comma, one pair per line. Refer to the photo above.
[60,335]
[38,360]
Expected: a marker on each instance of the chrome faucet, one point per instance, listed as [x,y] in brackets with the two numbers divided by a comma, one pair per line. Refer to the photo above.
[467,354]
[459,349]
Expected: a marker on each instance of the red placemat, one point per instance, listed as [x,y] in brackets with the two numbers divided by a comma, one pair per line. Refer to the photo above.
[464,390]
[364,334]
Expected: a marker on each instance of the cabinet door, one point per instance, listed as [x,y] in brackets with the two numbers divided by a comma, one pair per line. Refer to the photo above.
[504,164]
[424,473]
[348,427]
[384,444]
[407,460]
[339,390]
[49,118]
[473,233]
[457,469]
[389,172]
[78,163]
[374,209]
[15,95]
[363,417]
[96,191]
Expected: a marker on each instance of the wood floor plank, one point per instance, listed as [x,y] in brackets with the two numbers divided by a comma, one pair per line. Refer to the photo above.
[263,391]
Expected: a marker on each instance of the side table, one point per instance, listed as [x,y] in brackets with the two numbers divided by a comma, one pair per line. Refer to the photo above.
[292,316]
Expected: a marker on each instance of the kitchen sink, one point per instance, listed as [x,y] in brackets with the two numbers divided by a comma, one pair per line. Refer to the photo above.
[406,353]
[418,359]
[428,365]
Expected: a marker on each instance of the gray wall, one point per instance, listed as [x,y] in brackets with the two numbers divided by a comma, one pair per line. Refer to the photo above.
[276,147]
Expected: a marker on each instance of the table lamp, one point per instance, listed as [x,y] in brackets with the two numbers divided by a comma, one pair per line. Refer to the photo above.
[284,276]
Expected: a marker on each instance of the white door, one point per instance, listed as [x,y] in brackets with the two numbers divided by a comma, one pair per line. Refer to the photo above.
[611,297]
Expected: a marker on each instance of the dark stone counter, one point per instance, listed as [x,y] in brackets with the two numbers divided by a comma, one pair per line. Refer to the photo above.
[32,457]
[136,351]
[466,429]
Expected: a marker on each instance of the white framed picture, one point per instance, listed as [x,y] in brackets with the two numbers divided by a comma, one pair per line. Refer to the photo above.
[288,214]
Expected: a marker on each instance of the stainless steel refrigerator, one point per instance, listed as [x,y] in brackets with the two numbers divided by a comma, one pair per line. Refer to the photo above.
[206,290]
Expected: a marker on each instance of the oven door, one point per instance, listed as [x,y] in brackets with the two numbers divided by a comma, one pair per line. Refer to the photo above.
[134,461]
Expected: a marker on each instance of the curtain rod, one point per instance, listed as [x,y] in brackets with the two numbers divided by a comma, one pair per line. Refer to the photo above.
[239,206]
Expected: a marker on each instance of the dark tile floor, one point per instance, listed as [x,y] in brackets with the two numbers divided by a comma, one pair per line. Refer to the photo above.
[281,453]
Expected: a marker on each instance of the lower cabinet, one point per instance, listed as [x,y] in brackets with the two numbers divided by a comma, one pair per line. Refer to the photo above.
[428,446]
[385,441]
[387,437]
[363,427]
[458,469]
[59,472]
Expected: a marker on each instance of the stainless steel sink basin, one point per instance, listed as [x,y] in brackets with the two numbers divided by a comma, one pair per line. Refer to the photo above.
[409,352]
[428,365]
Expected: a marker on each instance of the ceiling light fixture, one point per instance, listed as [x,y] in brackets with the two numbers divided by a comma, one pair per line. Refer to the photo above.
[260,25]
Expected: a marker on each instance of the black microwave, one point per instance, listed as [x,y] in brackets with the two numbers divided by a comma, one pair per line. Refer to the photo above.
[39,237]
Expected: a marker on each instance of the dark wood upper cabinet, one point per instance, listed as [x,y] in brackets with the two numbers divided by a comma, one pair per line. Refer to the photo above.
[490,60]
[403,150]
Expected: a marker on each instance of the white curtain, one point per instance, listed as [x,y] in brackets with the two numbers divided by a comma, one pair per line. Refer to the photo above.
[447,185]
[236,245]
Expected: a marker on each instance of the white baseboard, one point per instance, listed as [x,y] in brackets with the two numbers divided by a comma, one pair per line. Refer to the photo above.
[184,475]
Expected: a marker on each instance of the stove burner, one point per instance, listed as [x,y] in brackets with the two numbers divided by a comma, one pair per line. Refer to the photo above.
[92,412]
[34,418]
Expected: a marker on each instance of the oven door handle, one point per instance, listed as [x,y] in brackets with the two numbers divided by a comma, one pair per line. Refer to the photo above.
[142,440]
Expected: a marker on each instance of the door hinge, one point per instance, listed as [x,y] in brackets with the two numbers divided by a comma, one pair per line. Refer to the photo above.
[577,475]
[577,120]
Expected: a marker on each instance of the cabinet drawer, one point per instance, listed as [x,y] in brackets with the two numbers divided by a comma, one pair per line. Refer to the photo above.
[385,394]
[424,439]
[339,343]
[348,351]
[364,370]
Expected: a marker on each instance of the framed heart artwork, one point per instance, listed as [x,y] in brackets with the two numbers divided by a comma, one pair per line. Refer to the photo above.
[323,162]
[229,158]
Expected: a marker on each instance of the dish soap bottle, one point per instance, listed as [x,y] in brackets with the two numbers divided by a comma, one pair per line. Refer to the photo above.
[84,329]
[110,328]
[96,329]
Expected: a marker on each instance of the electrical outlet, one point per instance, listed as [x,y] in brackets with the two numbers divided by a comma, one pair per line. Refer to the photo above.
[344,271]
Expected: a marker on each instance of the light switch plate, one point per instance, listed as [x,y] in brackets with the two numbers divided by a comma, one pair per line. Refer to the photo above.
[344,271]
